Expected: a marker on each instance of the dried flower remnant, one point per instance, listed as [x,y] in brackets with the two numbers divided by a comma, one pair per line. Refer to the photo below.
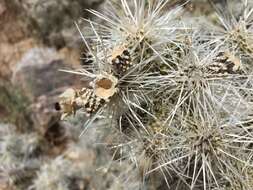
[105,86]
[66,103]
[121,61]
[88,99]
[226,63]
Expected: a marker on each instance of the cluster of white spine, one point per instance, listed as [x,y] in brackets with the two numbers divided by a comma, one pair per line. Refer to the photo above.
[184,91]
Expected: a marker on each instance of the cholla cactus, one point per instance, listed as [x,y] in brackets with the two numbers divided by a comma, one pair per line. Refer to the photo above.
[60,174]
[179,95]
[19,157]
[15,148]
[236,30]
[75,170]
[19,175]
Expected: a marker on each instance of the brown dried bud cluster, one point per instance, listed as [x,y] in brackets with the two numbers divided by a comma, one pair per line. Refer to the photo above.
[88,99]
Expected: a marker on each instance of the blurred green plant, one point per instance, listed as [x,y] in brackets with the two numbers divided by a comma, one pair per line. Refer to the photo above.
[14,106]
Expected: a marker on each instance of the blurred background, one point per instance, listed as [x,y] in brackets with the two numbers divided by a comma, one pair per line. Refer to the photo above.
[37,38]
